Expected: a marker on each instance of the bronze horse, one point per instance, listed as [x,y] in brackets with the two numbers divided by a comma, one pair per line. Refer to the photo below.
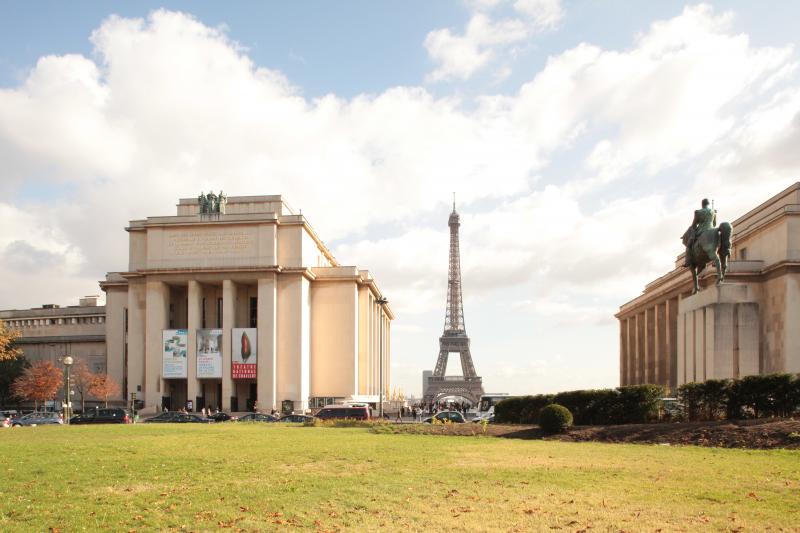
[711,246]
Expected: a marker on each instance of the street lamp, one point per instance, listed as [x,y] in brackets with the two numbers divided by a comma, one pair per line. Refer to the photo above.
[381,301]
[68,403]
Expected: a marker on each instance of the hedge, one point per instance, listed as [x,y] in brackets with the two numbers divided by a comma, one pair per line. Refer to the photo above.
[750,397]
[638,403]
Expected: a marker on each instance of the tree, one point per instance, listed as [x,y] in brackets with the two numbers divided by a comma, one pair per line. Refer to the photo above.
[102,386]
[7,337]
[80,378]
[39,383]
[10,370]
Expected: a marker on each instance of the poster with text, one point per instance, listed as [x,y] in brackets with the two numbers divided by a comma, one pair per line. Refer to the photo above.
[174,344]
[244,353]
[209,353]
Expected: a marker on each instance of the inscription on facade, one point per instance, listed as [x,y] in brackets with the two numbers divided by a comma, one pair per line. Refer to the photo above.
[199,243]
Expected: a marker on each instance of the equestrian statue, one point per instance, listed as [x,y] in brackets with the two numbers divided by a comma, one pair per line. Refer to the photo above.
[705,243]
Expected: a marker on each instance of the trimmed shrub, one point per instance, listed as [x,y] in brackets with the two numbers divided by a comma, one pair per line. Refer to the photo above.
[509,411]
[690,395]
[555,419]
[532,407]
[639,404]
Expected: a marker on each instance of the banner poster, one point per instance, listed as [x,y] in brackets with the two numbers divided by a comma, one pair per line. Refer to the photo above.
[209,353]
[174,355]
[244,353]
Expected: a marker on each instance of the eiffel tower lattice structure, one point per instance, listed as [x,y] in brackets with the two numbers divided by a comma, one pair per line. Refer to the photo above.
[454,339]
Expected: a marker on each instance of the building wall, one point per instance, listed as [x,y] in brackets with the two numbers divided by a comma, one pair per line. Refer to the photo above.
[720,339]
[50,333]
[311,312]
[334,339]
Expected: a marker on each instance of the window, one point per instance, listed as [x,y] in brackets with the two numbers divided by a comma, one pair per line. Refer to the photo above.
[219,312]
[743,254]
[204,314]
[253,312]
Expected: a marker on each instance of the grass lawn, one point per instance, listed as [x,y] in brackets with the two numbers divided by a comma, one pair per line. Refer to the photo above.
[271,477]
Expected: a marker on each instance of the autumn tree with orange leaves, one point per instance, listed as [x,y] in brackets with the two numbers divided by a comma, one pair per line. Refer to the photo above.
[7,337]
[80,377]
[102,386]
[39,383]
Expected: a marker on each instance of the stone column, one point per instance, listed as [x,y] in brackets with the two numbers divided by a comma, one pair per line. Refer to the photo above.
[721,352]
[157,315]
[363,340]
[747,339]
[630,339]
[136,338]
[699,345]
[672,343]
[622,352]
[228,322]
[680,367]
[641,354]
[661,344]
[267,339]
[194,318]
[650,345]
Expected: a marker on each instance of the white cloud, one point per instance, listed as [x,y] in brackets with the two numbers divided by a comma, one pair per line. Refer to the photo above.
[461,56]
[542,13]
[168,106]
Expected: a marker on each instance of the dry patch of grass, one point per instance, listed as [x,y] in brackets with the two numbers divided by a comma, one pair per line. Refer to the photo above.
[264,477]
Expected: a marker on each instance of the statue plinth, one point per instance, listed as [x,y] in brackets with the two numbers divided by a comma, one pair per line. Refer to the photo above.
[718,334]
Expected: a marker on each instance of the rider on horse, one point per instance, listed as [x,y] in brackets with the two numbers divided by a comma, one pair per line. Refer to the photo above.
[704,218]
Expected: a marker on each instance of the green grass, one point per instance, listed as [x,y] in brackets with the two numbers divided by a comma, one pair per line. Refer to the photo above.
[267,477]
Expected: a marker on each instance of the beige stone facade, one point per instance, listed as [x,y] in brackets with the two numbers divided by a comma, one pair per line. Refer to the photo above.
[750,325]
[260,265]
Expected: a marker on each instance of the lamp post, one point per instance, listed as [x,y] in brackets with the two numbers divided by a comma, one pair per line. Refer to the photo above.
[67,400]
[381,301]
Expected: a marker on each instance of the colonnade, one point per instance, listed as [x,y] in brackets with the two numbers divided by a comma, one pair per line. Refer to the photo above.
[648,345]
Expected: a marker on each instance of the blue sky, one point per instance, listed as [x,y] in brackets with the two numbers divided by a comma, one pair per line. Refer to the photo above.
[578,135]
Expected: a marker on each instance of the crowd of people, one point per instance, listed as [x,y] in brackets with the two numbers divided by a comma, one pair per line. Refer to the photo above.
[420,410]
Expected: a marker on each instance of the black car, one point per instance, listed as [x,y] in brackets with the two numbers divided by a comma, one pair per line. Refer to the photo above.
[113,415]
[257,417]
[297,419]
[221,417]
[176,417]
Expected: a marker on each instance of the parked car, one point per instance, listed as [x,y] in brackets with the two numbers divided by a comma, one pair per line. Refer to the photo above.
[488,417]
[176,417]
[221,417]
[354,412]
[37,419]
[257,417]
[111,415]
[447,416]
[297,419]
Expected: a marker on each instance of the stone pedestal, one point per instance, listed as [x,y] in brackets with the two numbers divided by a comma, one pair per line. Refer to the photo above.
[718,334]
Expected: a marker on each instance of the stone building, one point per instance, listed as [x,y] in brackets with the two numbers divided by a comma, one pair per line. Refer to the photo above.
[749,325]
[225,310]
[197,284]
[51,332]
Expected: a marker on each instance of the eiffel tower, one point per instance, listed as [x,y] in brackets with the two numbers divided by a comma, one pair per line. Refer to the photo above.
[454,339]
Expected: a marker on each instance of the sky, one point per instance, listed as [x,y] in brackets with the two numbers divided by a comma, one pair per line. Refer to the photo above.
[578,137]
